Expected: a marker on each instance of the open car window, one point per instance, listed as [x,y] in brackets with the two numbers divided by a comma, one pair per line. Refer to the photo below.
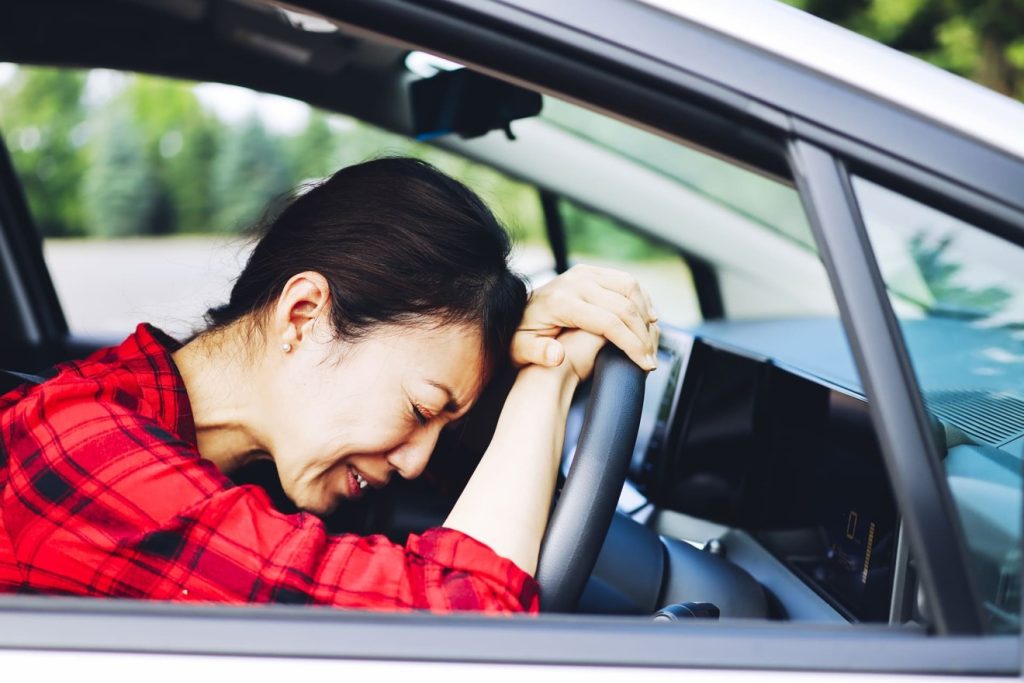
[147,189]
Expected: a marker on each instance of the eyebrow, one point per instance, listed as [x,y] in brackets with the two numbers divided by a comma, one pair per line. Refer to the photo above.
[453,405]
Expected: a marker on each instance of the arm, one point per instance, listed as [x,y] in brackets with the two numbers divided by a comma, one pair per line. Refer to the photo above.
[507,500]
[101,501]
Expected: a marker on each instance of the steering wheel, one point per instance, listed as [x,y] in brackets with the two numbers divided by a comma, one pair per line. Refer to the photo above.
[583,514]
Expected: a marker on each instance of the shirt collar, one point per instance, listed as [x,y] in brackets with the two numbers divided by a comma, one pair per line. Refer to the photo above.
[147,353]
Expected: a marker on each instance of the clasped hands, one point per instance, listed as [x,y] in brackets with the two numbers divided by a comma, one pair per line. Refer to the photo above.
[570,318]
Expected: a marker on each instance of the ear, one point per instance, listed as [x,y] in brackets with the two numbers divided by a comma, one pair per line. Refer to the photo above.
[305,297]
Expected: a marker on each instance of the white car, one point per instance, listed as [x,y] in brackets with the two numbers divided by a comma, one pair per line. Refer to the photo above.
[822,480]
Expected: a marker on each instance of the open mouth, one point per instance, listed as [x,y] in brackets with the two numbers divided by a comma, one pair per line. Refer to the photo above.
[357,483]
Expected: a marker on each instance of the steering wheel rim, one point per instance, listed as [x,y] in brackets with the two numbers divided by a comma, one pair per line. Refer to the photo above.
[581,518]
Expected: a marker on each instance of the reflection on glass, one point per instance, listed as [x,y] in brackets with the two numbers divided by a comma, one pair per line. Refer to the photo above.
[768,203]
[959,297]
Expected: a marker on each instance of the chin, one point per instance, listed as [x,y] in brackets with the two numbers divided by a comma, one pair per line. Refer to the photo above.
[317,502]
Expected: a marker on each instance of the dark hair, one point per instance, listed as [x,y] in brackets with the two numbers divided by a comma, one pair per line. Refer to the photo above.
[396,240]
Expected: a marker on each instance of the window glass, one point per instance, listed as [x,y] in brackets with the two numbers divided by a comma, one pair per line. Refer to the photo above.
[599,240]
[772,205]
[145,188]
[959,297]
[751,229]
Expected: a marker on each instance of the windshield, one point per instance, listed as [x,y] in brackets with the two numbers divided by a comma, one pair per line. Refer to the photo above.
[959,297]
[771,204]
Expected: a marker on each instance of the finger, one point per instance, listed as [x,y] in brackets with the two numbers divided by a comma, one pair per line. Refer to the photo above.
[650,306]
[626,309]
[597,320]
[529,348]
[625,284]
[655,337]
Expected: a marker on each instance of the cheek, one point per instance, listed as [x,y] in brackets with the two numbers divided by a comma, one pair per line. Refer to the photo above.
[373,424]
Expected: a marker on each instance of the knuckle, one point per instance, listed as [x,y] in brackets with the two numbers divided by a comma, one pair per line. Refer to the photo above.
[625,309]
[559,298]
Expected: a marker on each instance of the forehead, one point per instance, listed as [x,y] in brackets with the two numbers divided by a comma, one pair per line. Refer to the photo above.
[448,355]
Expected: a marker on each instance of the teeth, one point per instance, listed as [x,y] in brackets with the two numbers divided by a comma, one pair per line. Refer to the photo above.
[359,480]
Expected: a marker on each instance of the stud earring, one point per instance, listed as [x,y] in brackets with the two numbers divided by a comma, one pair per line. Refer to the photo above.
[286,347]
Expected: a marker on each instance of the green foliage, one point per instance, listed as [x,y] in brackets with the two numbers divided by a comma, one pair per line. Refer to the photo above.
[181,143]
[591,234]
[250,172]
[149,158]
[1015,54]
[941,275]
[118,189]
[979,39]
[41,118]
[314,153]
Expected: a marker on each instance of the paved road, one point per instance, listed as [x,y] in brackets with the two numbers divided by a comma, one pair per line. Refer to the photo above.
[107,287]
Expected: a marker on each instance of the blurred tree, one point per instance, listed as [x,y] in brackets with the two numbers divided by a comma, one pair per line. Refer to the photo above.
[313,152]
[943,276]
[592,234]
[119,188]
[979,39]
[249,173]
[181,143]
[41,117]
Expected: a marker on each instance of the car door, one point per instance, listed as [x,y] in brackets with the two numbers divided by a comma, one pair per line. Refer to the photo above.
[534,45]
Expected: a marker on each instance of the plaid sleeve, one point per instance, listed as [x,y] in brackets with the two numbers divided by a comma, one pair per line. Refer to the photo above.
[102,501]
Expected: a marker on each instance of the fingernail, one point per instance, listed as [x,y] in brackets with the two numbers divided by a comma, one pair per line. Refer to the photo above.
[651,363]
[552,354]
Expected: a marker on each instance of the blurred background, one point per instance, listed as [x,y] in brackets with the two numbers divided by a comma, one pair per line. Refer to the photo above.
[111,161]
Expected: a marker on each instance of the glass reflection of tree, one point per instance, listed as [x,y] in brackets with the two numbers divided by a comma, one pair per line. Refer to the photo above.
[941,274]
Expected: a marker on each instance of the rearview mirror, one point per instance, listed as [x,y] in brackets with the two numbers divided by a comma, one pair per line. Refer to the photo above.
[468,103]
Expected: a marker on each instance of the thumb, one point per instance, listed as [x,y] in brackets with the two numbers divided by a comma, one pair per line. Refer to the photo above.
[532,349]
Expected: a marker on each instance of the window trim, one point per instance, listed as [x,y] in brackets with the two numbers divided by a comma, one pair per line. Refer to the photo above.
[84,624]
[985,212]
[894,397]
[38,320]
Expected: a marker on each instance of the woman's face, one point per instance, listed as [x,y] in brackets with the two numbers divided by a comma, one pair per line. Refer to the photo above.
[350,414]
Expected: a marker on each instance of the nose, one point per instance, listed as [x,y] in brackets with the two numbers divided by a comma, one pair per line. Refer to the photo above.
[411,458]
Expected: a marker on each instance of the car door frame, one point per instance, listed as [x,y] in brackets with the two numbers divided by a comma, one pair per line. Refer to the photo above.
[680,105]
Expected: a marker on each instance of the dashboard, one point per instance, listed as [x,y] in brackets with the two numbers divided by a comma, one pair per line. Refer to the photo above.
[732,438]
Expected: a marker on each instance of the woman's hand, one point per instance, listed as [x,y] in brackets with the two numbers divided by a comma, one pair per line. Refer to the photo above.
[603,301]
[580,350]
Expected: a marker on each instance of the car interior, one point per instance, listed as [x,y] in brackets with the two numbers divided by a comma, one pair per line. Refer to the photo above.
[756,487]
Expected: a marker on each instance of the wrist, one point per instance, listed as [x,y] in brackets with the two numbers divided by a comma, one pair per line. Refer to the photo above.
[561,378]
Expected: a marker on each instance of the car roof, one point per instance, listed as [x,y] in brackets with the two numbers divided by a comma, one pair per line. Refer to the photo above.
[843,55]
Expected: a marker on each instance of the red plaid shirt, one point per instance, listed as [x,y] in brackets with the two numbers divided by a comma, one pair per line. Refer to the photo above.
[103,493]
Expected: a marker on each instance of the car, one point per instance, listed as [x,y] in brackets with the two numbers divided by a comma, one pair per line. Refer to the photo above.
[823,477]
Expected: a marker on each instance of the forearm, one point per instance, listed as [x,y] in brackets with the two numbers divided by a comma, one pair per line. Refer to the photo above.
[506,502]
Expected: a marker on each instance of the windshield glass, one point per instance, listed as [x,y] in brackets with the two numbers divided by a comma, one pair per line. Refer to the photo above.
[750,228]
[958,294]
[771,204]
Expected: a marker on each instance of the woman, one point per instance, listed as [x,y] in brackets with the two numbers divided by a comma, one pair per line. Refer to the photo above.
[369,317]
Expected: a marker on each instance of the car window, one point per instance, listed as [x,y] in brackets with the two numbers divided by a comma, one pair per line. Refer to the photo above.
[751,228]
[959,297]
[773,205]
[146,188]
[599,240]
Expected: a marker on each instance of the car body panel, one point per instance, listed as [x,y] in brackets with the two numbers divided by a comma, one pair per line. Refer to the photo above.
[664,80]
[890,75]
[113,667]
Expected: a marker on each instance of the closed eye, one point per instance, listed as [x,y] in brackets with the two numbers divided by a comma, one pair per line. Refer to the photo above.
[418,414]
